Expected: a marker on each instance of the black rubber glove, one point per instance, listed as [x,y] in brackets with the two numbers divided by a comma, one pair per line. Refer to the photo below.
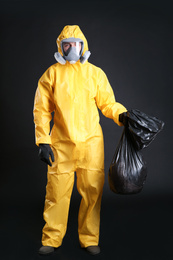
[44,152]
[123,118]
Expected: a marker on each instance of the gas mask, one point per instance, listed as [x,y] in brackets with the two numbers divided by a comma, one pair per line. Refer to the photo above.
[72,49]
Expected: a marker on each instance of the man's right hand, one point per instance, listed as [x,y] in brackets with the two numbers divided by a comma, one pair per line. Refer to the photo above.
[44,152]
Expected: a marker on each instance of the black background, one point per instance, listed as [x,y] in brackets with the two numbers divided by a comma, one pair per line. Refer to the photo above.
[132,42]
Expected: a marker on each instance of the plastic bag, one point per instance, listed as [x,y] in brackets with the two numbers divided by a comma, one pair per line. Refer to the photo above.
[142,127]
[128,171]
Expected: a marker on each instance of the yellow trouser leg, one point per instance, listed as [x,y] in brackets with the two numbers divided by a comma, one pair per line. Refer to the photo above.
[90,186]
[58,193]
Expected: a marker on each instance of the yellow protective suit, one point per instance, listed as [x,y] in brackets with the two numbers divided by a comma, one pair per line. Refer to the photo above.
[74,92]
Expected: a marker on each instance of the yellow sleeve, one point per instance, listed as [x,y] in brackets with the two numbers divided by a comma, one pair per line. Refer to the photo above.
[105,100]
[43,107]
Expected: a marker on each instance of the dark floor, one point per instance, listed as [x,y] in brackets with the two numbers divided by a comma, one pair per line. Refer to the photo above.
[132,227]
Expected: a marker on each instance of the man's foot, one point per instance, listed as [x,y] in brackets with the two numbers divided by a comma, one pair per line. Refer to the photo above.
[93,250]
[45,250]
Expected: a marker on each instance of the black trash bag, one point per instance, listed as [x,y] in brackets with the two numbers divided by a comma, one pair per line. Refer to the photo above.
[143,128]
[128,171]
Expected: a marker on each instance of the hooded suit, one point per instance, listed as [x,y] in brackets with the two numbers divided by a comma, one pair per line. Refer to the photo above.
[74,92]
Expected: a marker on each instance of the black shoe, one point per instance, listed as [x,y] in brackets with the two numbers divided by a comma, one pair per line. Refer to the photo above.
[45,250]
[93,250]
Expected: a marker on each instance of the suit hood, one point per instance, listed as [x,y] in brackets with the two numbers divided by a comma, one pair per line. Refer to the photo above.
[72,31]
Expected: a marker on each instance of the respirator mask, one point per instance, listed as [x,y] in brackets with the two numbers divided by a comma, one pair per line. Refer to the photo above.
[72,49]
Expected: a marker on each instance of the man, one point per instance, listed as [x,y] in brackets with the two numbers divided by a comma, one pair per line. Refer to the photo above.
[74,89]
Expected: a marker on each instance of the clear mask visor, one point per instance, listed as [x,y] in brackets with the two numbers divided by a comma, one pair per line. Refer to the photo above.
[68,45]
